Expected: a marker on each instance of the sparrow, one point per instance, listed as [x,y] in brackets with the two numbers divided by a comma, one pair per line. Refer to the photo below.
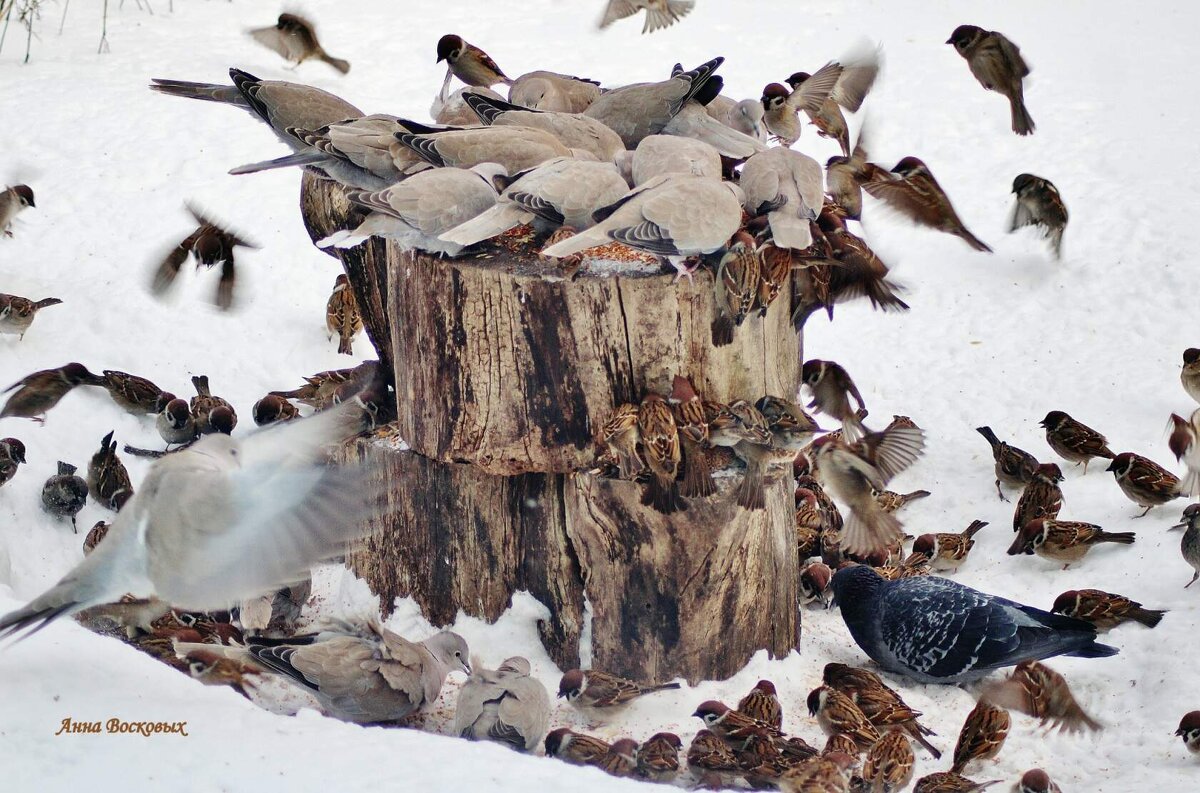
[825,774]
[1063,541]
[195,512]
[780,106]
[658,757]
[63,495]
[998,66]
[1183,444]
[1189,546]
[883,707]
[889,763]
[1042,497]
[843,184]
[982,735]
[468,63]
[692,423]
[762,761]
[949,782]
[12,454]
[1039,204]
[837,713]
[204,404]
[1189,731]
[575,748]
[773,276]
[620,436]
[505,705]
[1073,441]
[728,724]
[41,391]
[890,501]
[108,481]
[660,445]
[814,583]
[735,287]
[762,704]
[272,409]
[599,695]
[1104,609]
[708,754]
[342,318]
[852,86]
[809,521]
[295,38]
[319,389]
[946,551]
[754,453]
[17,313]
[1036,780]
[136,395]
[1144,482]
[659,13]
[852,472]
[1190,374]
[911,189]
[12,201]
[1014,467]
[174,422]
[1037,690]
[790,427]
[832,389]
[621,759]
[841,743]
[212,669]
[210,244]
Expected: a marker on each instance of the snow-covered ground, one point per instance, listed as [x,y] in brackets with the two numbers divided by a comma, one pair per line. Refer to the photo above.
[996,340]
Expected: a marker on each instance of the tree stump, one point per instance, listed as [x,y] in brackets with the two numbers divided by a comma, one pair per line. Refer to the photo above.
[504,367]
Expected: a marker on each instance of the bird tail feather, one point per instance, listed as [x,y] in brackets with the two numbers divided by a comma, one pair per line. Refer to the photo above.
[1022,123]
[208,92]
[337,63]
[1119,537]
[494,221]
[1094,650]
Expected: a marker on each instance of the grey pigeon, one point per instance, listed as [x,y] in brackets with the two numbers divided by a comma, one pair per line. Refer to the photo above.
[937,631]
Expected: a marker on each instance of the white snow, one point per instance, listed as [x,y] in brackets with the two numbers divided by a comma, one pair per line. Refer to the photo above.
[997,340]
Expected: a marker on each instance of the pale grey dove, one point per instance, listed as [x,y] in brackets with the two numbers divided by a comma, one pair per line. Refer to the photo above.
[787,187]
[505,705]
[515,148]
[453,111]
[745,116]
[657,155]
[561,93]
[574,130]
[635,111]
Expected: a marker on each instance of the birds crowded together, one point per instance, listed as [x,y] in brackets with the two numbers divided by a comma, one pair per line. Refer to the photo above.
[678,173]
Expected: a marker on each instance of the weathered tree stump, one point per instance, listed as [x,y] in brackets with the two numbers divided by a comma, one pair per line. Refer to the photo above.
[504,367]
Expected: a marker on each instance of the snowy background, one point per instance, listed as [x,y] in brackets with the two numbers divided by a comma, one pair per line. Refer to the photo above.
[997,340]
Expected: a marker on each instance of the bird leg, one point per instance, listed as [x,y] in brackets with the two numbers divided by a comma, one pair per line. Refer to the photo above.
[1000,492]
[1194,577]
[680,263]
[1145,512]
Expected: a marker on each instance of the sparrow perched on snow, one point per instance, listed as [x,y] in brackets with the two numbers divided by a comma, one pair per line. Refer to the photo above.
[889,763]
[17,313]
[1143,481]
[883,707]
[735,287]
[1039,204]
[814,583]
[780,106]
[891,501]
[341,315]
[65,493]
[659,13]
[837,713]
[1104,609]
[41,391]
[204,404]
[108,481]
[1063,541]
[911,189]
[852,472]
[948,551]
[692,423]
[982,735]
[857,77]
[295,38]
[468,63]
[174,422]
[762,704]
[728,724]
[998,66]
[1190,374]
[1189,731]
[658,757]
[1014,467]
[708,754]
[1189,546]
[210,244]
[825,774]
[1041,498]
[136,395]
[1037,690]
[1035,780]
[599,695]
[575,748]
[841,743]
[12,454]
[660,444]
[621,758]
[620,436]
[832,389]
[1074,441]
[12,200]
[272,409]
[950,782]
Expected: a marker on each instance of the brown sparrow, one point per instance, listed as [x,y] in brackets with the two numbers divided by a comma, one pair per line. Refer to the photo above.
[468,63]
[174,423]
[659,13]
[575,748]
[658,757]
[950,782]
[842,182]
[948,551]
[763,760]
[1189,546]
[911,189]
[620,436]
[1073,441]
[1104,609]
[841,743]
[1036,780]
[780,105]
[660,444]
[136,395]
[12,454]
[849,92]
[692,423]
[762,704]
[891,501]
[1190,374]
[65,493]
[808,523]
[1189,731]
[94,536]
[1042,497]
[341,315]
[1144,482]
[814,583]
[41,391]
[889,764]
[1014,467]
[837,713]
[273,409]
[735,287]
[708,754]
[882,706]
[832,389]
[12,201]
[791,428]
[295,38]
[1063,541]
[213,669]
[776,266]
[998,66]
[210,244]
[108,481]
[825,774]
[204,404]
[982,735]
[1185,445]
[1039,204]
[599,695]
[621,759]
[1037,690]
[728,724]
[17,313]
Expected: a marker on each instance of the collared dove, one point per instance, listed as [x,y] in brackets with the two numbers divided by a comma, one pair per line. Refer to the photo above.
[275,610]
[635,111]
[562,93]
[657,155]
[574,130]
[225,519]
[745,116]
[515,148]
[787,187]
[506,705]
[561,192]
[415,211]
[453,111]
[694,121]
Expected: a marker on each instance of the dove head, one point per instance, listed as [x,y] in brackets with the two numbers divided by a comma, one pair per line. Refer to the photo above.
[854,586]
[450,650]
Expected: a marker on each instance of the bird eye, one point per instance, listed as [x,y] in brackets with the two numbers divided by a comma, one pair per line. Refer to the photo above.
[457,654]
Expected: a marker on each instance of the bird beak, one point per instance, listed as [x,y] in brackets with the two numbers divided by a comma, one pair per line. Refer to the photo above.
[949,41]
[561,695]
[697,715]
[1182,525]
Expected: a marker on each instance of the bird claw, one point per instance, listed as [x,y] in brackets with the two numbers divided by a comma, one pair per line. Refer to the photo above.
[682,270]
